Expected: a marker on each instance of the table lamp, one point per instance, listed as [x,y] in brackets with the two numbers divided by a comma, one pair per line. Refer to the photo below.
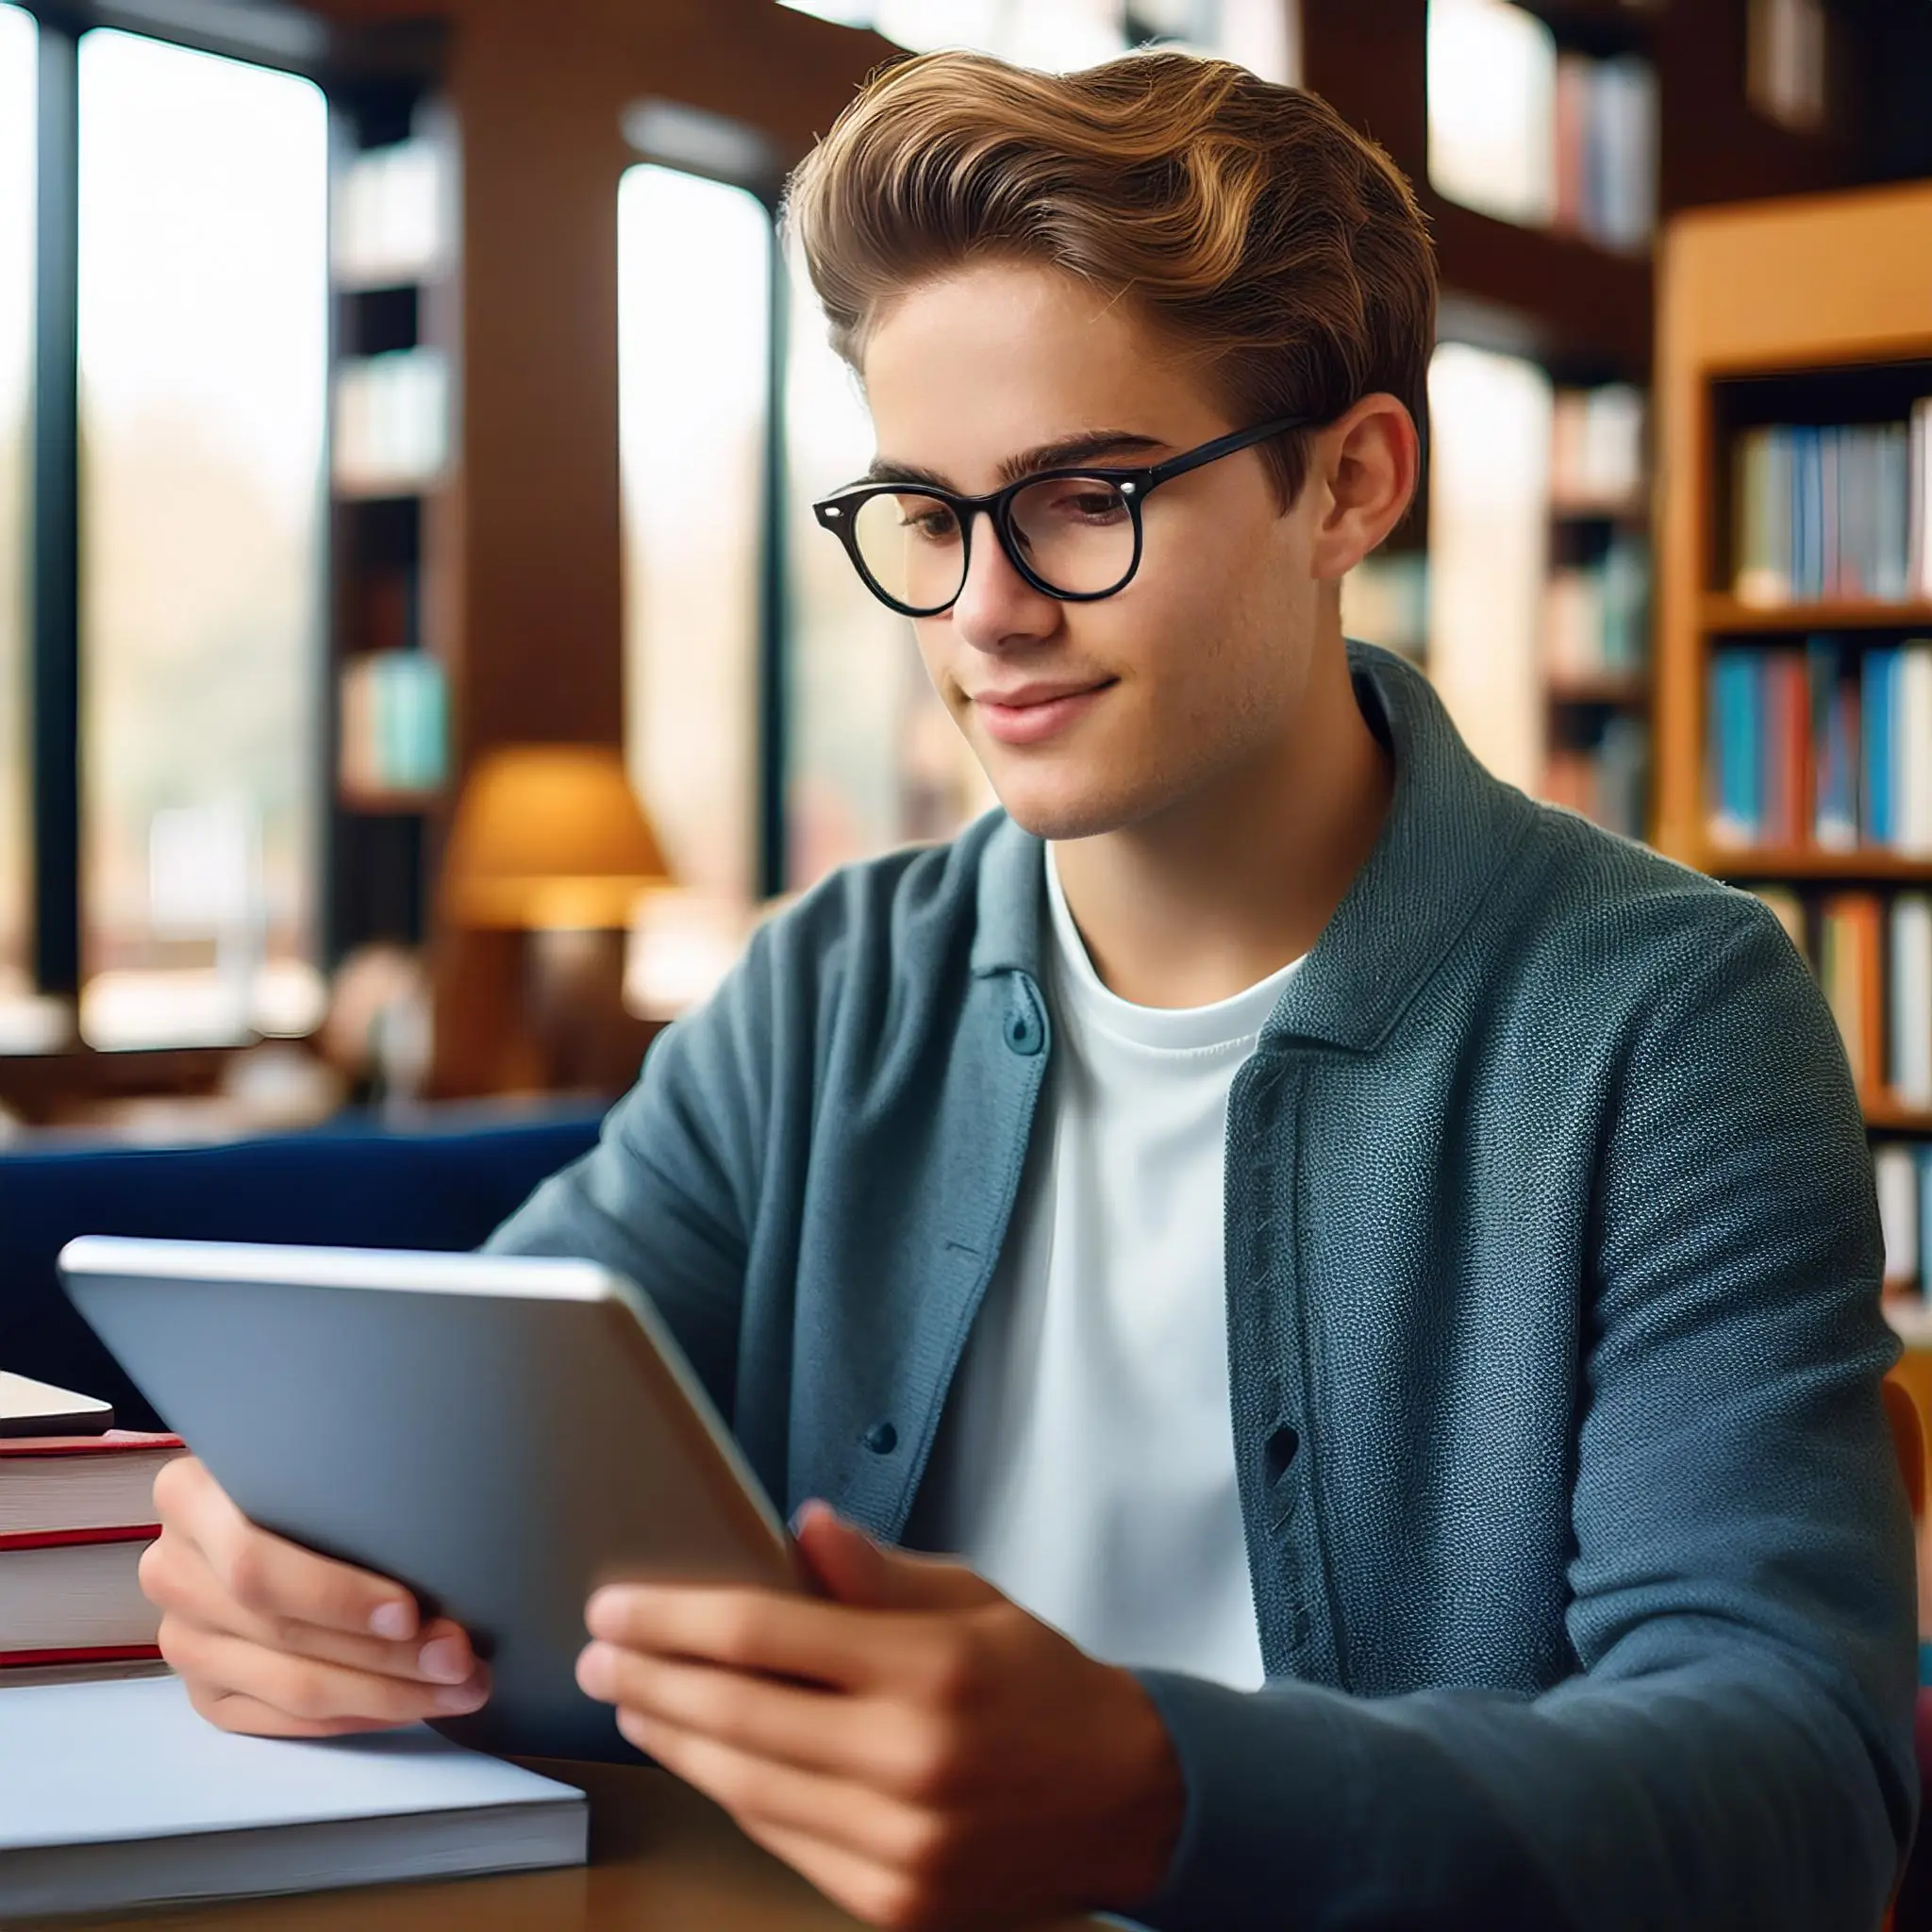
[550,839]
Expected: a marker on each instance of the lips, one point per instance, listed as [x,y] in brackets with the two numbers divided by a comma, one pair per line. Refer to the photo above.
[1031,713]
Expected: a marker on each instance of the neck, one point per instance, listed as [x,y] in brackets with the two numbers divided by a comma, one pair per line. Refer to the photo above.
[1215,893]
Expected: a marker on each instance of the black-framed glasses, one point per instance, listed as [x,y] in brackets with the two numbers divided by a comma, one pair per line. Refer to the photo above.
[1074,534]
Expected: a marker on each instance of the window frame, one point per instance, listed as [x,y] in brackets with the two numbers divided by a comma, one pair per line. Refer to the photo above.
[278,38]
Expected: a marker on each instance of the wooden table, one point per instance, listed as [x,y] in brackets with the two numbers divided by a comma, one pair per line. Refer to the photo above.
[661,1857]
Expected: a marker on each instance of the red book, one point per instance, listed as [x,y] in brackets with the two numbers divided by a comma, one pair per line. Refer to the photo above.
[74,1591]
[51,1483]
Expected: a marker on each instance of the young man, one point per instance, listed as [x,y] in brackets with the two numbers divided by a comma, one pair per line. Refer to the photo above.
[1373,1282]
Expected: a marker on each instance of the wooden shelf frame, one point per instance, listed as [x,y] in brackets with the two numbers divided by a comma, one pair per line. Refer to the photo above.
[1721,616]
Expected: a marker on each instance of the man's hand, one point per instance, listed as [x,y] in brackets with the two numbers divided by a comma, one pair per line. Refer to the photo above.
[923,1751]
[272,1639]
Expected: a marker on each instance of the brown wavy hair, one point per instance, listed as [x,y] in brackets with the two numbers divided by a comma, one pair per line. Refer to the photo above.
[1268,242]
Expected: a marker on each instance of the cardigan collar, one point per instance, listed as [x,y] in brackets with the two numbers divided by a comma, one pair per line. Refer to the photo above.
[1450,830]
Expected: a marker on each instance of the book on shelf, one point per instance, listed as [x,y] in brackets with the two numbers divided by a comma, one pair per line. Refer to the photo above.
[391,422]
[120,1795]
[394,724]
[1595,623]
[392,219]
[1903,1171]
[1831,513]
[1872,955]
[1608,779]
[1821,745]
[1596,448]
[1537,137]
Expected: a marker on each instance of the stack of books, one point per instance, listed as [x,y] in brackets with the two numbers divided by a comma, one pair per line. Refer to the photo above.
[1836,512]
[77,1510]
[1873,956]
[1821,746]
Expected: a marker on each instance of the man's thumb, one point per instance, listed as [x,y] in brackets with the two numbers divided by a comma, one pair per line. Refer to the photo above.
[851,1568]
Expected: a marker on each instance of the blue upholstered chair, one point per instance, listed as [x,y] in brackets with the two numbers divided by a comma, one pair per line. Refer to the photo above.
[349,1186]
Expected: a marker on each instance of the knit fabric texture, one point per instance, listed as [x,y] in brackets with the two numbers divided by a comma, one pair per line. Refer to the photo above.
[1582,1564]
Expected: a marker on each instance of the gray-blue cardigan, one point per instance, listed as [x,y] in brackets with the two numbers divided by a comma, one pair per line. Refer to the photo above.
[1581,1561]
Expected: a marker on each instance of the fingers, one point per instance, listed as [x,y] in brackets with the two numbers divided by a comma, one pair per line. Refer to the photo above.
[812,1730]
[266,1574]
[277,1640]
[243,1686]
[839,1645]
[853,1569]
[176,1575]
[780,1797]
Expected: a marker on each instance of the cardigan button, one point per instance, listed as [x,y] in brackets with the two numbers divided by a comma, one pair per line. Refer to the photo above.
[881,1438]
[1026,1032]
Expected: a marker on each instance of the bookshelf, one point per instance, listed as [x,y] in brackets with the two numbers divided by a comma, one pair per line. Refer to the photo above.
[393,274]
[1594,654]
[1809,319]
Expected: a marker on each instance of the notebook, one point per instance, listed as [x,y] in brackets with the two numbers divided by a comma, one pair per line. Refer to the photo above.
[119,1795]
[38,1409]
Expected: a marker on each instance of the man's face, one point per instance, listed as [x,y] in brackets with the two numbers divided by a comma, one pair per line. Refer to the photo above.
[1091,717]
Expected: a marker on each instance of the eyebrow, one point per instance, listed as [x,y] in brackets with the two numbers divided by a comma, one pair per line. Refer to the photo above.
[1060,454]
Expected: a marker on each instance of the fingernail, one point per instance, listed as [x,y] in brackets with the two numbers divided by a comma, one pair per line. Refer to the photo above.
[471,1696]
[391,1620]
[798,1514]
[593,1668]
[446,1660]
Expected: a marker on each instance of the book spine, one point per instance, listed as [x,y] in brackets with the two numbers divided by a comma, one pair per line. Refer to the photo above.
[1875,706]
[64,1538]
[1912,749]
[100,1654]
[1910,1065]
[1897,1175]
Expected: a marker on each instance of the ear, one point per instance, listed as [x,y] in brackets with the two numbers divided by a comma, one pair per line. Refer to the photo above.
[1365,464]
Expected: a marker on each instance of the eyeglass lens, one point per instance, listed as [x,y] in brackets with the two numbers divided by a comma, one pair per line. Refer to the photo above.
[1075,533]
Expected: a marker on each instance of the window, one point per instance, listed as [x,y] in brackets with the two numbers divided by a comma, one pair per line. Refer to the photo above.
[1261,34]
[872,758]
[693,366]
[1489,533]
[203,339]
[18,53]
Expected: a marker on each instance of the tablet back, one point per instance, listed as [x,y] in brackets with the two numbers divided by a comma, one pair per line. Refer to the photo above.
[501,1434]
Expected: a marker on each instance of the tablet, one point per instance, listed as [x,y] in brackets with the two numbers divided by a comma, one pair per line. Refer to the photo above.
[501,1434]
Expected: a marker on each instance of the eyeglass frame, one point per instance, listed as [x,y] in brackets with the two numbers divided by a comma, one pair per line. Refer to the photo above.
[838,512]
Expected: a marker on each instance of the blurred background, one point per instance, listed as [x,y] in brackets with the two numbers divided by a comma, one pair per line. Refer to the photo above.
[418,668]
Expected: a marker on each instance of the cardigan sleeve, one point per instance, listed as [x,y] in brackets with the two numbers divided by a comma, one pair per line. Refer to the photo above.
[1733,1748]
[668,1196]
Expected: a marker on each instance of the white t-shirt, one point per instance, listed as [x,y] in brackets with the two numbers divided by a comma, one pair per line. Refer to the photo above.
[1085,1465]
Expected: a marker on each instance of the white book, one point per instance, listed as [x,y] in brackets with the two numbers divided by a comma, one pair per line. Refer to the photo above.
[1911,999]
[119,1795]
[1912,750]
[1897,1173]
[1918,500]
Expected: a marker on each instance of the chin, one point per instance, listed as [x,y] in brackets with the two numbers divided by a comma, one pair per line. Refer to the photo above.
[1066,805]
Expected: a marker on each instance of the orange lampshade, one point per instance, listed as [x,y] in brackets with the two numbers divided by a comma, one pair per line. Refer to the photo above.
[549,835]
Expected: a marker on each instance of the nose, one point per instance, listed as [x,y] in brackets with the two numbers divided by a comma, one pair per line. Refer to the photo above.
[997,606]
